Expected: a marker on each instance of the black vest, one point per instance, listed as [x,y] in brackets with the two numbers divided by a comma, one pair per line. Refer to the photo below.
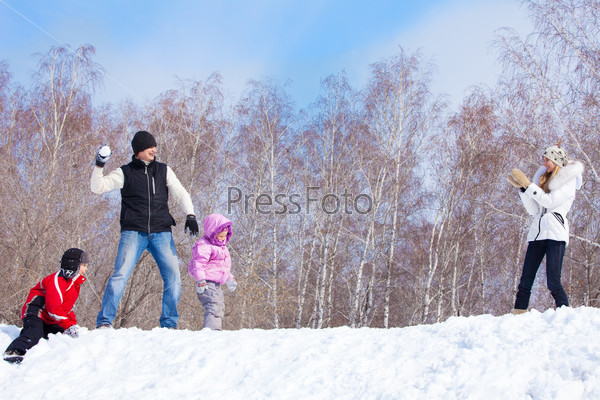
[145,198]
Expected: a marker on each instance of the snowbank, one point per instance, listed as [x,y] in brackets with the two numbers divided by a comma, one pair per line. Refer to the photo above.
[550,355]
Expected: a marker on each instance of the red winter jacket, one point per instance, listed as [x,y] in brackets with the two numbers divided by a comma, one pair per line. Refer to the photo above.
[52,300]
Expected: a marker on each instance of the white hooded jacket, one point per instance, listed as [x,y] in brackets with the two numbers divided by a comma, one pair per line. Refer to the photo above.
[550,209]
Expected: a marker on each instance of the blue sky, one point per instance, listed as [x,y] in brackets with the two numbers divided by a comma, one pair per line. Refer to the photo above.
[144,45]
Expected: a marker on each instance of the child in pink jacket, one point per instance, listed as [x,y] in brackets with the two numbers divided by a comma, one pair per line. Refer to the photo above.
[211,267]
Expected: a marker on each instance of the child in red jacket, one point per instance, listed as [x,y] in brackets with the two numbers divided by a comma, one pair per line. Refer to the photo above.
[48,308]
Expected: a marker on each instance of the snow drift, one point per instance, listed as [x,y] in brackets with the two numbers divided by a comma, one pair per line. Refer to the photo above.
[550,355]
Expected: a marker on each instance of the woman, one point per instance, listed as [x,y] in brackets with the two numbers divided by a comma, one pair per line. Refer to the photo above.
[549,201]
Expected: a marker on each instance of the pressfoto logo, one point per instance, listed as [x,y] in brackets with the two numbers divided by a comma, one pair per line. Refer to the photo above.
[312,200]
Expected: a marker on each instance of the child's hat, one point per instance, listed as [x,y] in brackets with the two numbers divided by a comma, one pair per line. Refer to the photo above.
[71,260]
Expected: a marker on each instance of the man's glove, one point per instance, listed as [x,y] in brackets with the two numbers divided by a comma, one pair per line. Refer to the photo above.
[191,224]
[200,286]
[231,284]
[72,331]
[103,155]
[520,178]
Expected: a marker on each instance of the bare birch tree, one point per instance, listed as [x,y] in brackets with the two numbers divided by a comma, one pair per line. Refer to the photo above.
[264,138]
[401,116]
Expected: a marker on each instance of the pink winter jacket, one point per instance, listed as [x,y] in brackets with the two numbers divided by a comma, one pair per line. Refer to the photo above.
[210,257]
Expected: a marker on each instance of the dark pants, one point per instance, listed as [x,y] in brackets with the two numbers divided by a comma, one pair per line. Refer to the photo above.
[536,250]
[33,330]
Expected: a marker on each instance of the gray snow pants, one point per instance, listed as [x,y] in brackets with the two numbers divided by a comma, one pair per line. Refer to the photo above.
[213,302]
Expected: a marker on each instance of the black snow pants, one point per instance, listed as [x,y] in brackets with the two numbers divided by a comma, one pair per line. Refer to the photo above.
[34,328]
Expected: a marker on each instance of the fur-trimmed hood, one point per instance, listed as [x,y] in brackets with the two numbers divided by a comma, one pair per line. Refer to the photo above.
[573,170]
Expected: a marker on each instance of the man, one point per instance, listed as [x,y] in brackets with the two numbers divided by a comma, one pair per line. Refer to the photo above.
[145,224]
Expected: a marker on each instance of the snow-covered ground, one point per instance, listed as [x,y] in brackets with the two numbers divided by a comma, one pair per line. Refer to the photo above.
[550,355]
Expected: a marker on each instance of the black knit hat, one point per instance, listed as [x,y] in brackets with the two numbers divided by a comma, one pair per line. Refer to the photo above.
[71,260]
[141,141]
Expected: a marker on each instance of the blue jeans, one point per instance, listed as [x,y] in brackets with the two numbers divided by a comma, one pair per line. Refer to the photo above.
[536,250]
[131,247]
